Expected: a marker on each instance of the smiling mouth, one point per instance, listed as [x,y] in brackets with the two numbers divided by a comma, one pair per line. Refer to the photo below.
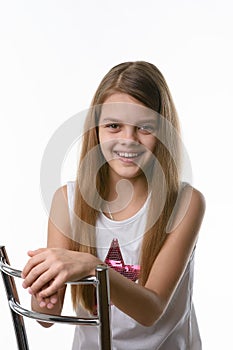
[128,155]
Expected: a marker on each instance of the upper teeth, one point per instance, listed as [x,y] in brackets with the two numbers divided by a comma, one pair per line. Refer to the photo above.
[127,155]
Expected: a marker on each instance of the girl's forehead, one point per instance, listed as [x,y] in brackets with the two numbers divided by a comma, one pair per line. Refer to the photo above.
[125,112]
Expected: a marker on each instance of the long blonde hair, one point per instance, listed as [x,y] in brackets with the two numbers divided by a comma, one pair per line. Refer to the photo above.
[144,82]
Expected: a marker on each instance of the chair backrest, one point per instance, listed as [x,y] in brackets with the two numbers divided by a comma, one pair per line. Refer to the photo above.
[102,320]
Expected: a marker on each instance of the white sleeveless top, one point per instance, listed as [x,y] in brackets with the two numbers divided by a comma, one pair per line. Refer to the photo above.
[177,328]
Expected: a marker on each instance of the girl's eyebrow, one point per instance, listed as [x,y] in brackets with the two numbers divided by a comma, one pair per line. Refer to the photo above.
[140,121]
[152,121]
[105,120]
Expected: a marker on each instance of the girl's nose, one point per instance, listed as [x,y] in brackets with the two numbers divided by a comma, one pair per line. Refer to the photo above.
[130,133]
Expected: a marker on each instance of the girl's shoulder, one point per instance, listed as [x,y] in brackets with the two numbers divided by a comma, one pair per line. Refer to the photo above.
[190,204]
[196,197]
[64,196]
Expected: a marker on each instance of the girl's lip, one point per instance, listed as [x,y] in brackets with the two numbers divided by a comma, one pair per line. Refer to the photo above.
[127,157]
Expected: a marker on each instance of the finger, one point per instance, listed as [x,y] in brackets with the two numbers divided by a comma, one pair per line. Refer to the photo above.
[42,283]
[34,274]
[49,302]
[50,306]
[54,299]
[53,288]
[32,262]
[32,253]
[44,302]
[42,278]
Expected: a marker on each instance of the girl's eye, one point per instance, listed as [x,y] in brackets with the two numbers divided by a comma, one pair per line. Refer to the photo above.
[113,126]
[147,129]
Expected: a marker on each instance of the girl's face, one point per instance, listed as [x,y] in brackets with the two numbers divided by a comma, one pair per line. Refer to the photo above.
[127,135]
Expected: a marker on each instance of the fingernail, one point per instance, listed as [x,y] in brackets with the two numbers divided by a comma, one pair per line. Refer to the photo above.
[53,300]
[42,304]
[30,291]
[50,306]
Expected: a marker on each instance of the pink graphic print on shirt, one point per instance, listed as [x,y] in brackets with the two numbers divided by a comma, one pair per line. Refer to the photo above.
[115,260]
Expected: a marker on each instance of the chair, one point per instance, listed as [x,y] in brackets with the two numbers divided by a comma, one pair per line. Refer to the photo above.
[102,320]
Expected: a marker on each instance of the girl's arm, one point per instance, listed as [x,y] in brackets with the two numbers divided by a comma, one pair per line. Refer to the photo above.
[144,304]
[58,231]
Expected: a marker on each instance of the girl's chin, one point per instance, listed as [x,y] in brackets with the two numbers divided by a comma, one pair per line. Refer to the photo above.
[128,172]
[130,168]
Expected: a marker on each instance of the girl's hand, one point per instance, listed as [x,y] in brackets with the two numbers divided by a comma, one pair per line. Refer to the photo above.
[48,303]
[49,268]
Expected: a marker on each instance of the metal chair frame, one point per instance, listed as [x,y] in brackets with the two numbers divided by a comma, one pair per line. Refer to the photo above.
[102,320]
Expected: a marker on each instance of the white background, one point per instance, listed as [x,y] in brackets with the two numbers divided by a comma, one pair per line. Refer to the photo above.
[53,55]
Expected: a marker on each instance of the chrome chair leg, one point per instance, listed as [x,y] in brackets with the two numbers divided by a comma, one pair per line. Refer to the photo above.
[11,292]
[101,280]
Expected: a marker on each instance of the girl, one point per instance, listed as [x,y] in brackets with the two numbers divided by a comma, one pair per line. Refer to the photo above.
[139,218]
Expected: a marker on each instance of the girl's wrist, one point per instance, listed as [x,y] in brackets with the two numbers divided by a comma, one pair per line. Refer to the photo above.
[96,262]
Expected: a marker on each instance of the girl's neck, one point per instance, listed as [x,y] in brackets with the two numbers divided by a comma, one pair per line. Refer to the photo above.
[125,197]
